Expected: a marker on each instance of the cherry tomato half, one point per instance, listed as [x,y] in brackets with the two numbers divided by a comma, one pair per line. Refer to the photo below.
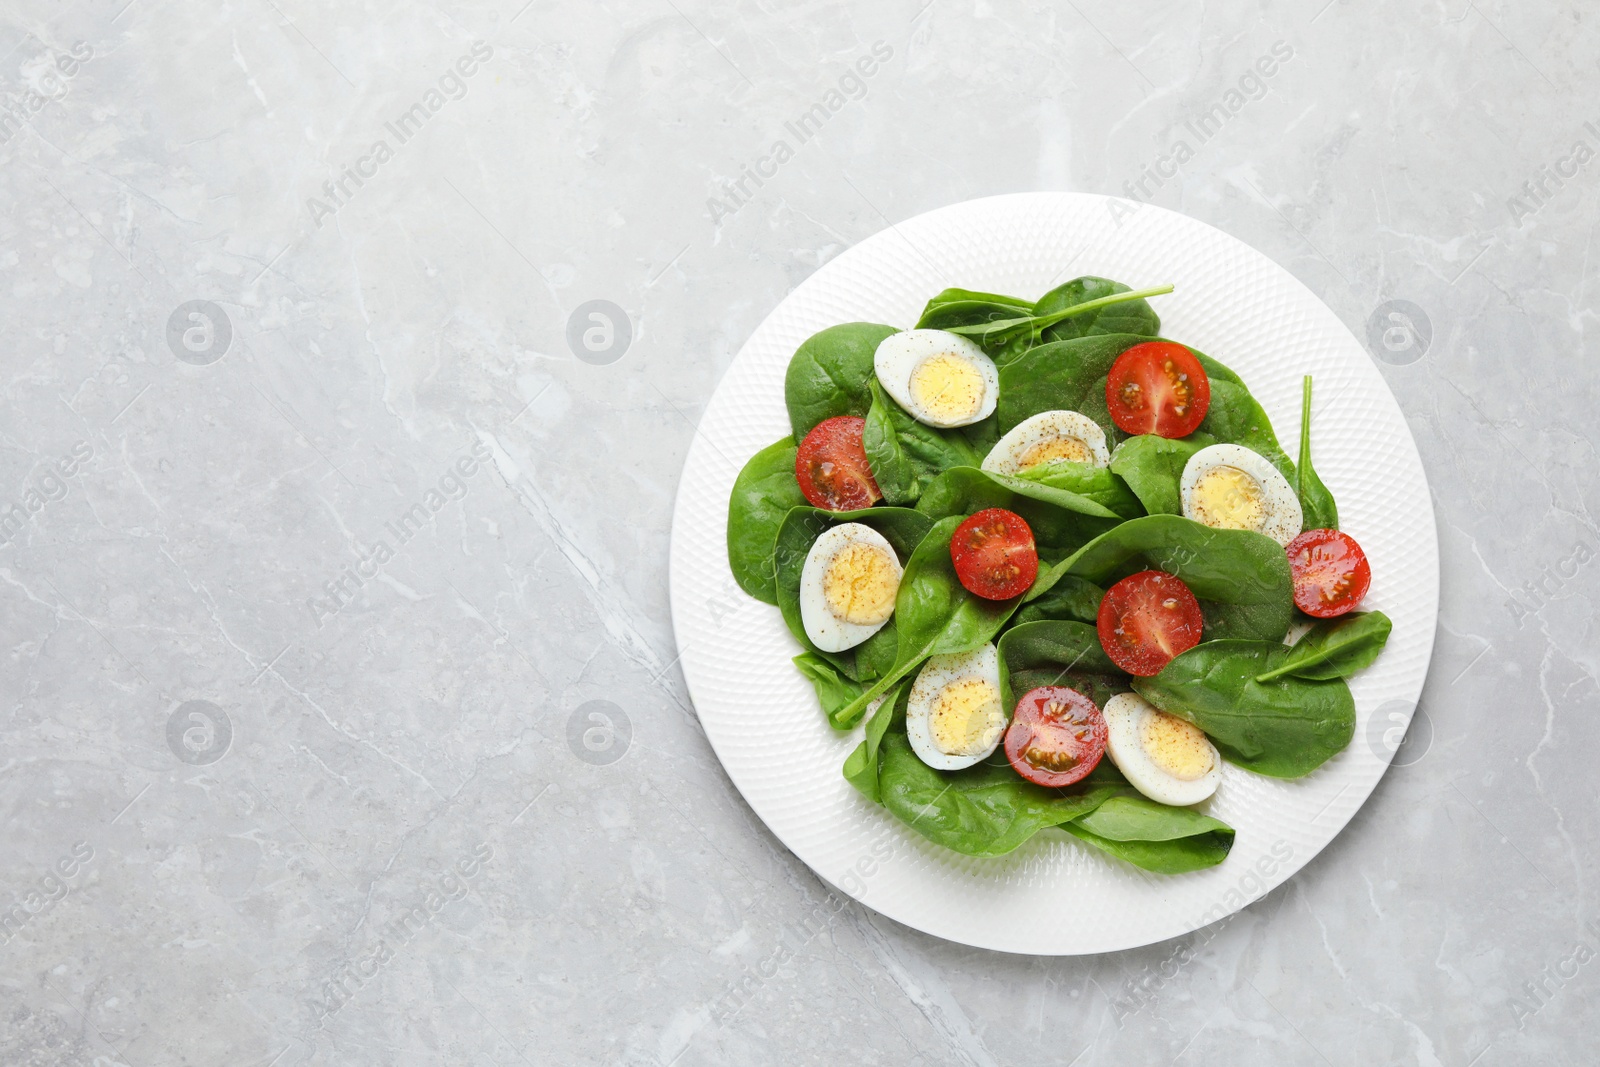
[994,554]
[1158,387]
[831,466]
[1331,573]
[1056,736]
[1146,620]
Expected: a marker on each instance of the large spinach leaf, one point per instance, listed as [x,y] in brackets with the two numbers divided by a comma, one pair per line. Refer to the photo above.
[1316,503]
[1098,485]
[1055,653]
[1241,578]
[1236,418]
[1135,316]
[762,496]
[964,307]
[933,613]
[1152,467]
[1052,643]
[1061,520]
[1154,836]
[829,373]
[1284,728]
[1070,599]
[904,454]
[1063,375]
[901,527]
[1335,648]
[1002,332]
[986,810]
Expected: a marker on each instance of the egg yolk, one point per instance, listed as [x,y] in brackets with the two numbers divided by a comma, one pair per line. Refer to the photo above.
[947,387]
[1053,449]
[1177,747]
[860,585]
[1226,498]
[966,717]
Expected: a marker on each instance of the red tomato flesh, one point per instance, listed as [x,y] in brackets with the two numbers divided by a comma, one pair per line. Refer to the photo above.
[1331,573]
[994,554]
[1146,620]
[1056,736]
[1158,387]
[831,466]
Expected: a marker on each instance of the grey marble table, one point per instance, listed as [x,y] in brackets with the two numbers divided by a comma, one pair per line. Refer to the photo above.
[329,511]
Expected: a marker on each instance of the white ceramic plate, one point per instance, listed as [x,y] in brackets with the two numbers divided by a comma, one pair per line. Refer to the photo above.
[763,719]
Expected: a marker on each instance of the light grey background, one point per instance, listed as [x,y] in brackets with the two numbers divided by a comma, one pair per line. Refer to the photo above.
[240,870]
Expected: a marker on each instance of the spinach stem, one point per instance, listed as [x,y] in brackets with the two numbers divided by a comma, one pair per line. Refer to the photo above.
[1305,436]
[986,330]
[1045,321]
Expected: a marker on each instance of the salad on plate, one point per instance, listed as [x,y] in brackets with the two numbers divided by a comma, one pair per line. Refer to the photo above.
[1053,561]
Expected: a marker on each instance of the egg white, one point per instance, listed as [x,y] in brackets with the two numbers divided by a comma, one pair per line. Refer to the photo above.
[1006,457]
[1126,715]
[826,630]
[1281,517]
[898,356]
[937,674]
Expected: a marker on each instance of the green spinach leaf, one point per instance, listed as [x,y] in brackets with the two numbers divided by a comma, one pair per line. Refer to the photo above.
[1241,578]
[861,766]
[1316,503]
[1135,316]
[986,810]
[829,373]
[963,307]
[1063,375]
[834,690]
[1154,836]
[1002,331]
[1059,652]
[1049,643]
[762,495]
[1236,418]
[1061,521]
[1070,599]
[1067,499]
[933,613]
[904,454]
[1335,648]
[1283,728]
[1152,467]
[1097,485]
[901,527]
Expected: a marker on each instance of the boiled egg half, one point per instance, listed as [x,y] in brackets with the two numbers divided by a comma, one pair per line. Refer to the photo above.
[954,717]
[941,378]
[1162,756]
[1046,437]
[1229,487]
[848,586]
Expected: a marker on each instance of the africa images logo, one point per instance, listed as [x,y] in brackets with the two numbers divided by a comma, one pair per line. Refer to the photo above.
[199,332]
